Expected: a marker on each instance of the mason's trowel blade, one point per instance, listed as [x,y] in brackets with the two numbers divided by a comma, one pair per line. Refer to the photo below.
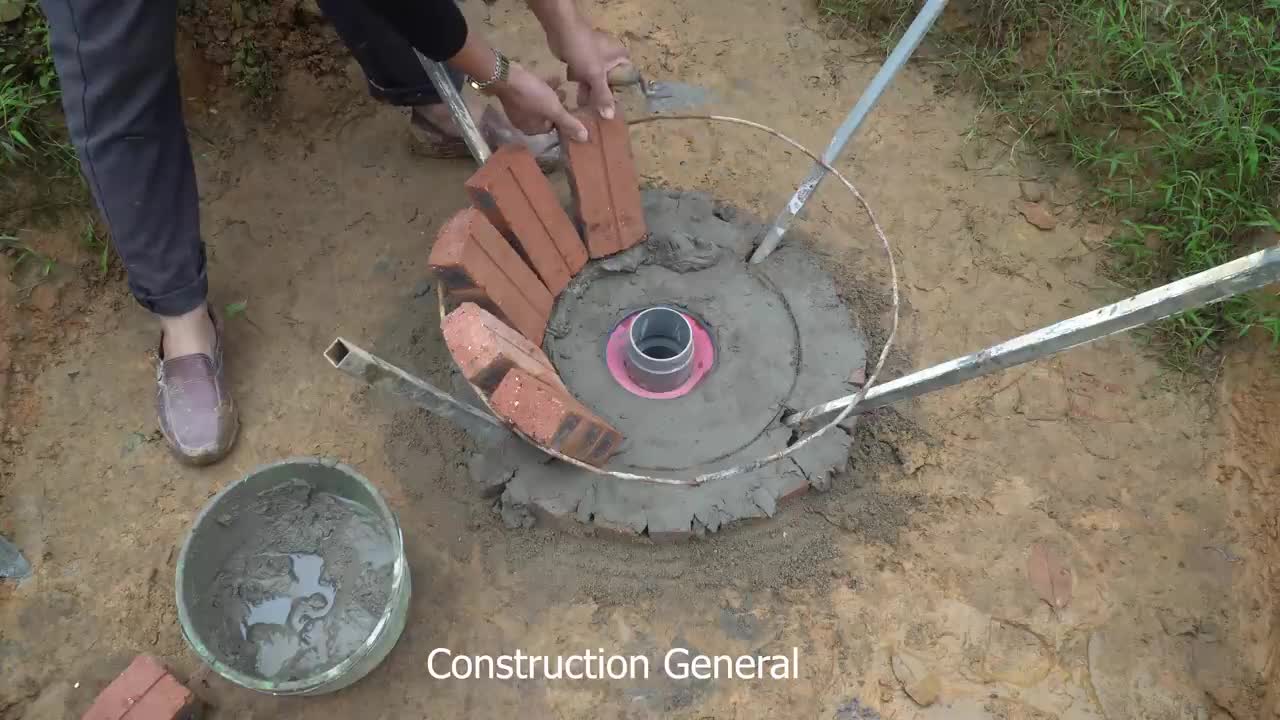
[12,564]
[666,96]
[659,95]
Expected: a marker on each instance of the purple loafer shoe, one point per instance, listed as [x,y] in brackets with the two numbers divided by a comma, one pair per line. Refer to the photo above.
[194,405]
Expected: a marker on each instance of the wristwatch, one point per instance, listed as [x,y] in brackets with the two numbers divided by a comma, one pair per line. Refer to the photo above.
[501,68]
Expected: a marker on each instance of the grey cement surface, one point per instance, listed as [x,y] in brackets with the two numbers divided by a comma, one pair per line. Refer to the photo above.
[12,563]
[668,96]
[784,340]
[304,589]
[750,324]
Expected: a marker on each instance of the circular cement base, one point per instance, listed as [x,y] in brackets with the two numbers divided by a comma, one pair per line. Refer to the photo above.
[784,340]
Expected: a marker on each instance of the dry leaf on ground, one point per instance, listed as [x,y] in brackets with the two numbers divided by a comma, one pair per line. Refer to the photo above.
[1038,215]
[921,685]
[1049,576]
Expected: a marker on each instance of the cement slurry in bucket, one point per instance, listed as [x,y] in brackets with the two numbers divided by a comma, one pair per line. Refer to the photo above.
[304,590]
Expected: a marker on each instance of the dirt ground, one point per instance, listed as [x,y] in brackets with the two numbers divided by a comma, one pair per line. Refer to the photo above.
[1159,496]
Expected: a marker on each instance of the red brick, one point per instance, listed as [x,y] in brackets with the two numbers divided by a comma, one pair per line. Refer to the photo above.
[144,691]
[669,537]
[554,419]
[167,700]
[797,486]
[606,190]
[518,199]
[476,264]
[486,349]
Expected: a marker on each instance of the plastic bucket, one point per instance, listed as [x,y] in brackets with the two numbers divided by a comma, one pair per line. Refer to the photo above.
[210,543]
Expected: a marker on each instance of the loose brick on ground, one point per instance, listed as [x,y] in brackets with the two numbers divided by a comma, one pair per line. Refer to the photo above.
[796,486]
[144,691]
[476,264]
[486,349]
[518,199]
[606,190]
[554,419]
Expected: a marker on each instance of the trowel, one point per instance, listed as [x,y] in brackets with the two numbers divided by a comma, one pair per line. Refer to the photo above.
[660,96]
[12,564]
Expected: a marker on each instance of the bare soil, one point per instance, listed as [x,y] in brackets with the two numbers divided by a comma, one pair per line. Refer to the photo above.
[1157,495]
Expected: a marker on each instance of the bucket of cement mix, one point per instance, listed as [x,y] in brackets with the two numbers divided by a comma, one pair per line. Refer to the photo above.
[293,580]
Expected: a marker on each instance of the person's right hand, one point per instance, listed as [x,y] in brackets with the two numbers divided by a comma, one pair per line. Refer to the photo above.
[590,55]
[534,106]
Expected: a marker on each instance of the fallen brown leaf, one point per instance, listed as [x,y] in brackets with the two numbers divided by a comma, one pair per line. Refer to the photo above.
[1049,576]
[1038,215]
[920,684]
[1096,235]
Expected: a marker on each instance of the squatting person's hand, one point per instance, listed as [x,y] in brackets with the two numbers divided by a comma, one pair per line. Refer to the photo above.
[534,106]
[589,55]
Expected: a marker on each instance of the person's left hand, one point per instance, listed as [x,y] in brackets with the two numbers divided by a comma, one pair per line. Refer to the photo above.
[535,105]
[590,54]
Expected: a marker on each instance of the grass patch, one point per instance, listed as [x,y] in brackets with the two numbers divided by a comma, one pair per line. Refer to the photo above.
[31,131]
[96,243]
[29,267]
[1171,108]
[39,172]
[24,255]
[23,136]
[254,73]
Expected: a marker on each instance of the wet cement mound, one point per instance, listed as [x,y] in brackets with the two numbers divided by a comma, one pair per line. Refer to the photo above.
[430,457]
[784,340]
[304,590]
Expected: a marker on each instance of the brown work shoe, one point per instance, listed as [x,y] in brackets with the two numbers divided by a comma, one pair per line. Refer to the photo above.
[429,139]
[442,141]
[193,402]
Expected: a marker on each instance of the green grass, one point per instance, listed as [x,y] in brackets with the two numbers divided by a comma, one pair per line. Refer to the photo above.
[97,244]
[20,104]
[25,258]
[1170,108]
[31,133]
[39,173]
[254,73]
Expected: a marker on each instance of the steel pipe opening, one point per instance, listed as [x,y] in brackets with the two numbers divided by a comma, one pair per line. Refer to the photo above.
[660,352]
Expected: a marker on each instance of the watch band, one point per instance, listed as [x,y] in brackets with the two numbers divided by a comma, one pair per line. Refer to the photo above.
[501,69]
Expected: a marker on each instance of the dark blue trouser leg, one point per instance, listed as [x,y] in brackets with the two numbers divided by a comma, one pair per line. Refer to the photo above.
[395,76]
[115,59]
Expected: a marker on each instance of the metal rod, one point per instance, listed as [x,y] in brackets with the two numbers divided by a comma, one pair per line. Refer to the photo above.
[379,373]
[906,46]
[1247,273]
[457,108]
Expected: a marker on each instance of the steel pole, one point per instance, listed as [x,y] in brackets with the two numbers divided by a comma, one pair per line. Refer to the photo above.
[1238,276]
[906,46]
[457,108]
[363,365]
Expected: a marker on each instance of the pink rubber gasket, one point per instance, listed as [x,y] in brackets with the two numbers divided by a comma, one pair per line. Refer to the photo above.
[615,355]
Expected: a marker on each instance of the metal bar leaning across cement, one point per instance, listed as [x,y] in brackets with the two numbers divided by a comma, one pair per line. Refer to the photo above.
[457,108]
[363,365]
[906,46]
[1238,276]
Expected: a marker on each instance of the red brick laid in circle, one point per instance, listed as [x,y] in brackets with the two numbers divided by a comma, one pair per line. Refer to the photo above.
[606,189]
[144,691]
[476,264]
[486,349]
[554,419]
[518,199]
